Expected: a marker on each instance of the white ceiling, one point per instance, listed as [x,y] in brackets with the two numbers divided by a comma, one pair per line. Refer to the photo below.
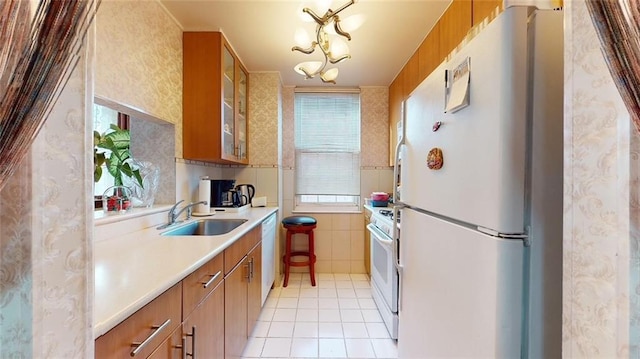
[262,34]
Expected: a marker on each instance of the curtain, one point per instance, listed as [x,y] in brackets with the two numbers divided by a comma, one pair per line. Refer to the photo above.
[39,49]
[617,24]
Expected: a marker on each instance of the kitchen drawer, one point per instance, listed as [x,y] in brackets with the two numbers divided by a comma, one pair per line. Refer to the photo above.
[141,327]
[198,284]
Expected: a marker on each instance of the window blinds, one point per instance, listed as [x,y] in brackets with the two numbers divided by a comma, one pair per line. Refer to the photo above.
[327,143]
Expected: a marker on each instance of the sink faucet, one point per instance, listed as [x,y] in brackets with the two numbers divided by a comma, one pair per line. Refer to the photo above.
[172,216]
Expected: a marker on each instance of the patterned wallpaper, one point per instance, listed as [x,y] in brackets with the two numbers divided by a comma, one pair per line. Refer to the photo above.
[600,217]
[375,129]
[139,60]
[46,270]
[15,265]
[288,134]
[264,97]
[374,104]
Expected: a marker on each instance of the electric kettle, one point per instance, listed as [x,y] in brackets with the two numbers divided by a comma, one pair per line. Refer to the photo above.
[245,193]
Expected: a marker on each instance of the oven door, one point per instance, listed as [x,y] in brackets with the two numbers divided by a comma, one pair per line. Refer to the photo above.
[383,272]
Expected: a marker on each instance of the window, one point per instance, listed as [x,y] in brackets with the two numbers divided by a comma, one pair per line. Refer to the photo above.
[103,118]
[327,144]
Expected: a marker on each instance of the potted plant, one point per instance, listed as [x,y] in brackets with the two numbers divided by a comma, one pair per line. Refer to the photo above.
[112,148]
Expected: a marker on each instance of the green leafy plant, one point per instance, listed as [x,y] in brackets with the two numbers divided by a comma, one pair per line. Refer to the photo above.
[112,148]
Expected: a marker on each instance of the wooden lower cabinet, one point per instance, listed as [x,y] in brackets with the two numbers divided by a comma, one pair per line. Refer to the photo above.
[222,318]
[208,342]
[254,295]
[235,310]
[208,321]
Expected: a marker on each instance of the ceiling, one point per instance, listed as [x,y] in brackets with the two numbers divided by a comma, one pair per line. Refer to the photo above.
[262,32]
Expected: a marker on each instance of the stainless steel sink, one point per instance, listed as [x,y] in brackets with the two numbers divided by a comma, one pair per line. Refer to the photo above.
[205,227]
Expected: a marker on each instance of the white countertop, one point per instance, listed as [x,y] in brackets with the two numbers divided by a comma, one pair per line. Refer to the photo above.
[136,267]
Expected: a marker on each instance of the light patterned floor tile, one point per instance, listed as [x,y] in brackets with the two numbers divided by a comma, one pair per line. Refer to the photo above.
[332,348]
[335,319]
[359,348]
[276,348]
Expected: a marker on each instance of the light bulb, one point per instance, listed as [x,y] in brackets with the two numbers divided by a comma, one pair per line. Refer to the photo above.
[302,38]
[330,75]
[322,6]
[352,23]
[338,47]
[310,67]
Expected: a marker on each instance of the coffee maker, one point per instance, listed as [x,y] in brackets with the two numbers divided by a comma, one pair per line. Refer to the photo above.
[223,193]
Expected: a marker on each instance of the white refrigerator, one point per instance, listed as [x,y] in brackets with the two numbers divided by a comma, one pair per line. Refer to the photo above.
[480,244]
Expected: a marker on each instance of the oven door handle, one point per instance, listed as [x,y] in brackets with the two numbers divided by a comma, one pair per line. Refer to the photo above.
[379,236]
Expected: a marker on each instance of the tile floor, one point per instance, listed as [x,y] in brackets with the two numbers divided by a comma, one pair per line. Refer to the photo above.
[335,319]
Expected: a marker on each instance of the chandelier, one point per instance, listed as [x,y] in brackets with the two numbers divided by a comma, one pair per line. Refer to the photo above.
[334,50]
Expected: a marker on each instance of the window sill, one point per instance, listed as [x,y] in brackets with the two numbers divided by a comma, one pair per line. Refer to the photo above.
[100,218]
[307,209]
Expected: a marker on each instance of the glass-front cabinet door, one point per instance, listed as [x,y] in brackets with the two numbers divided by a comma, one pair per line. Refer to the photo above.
[229,91]
[241,119]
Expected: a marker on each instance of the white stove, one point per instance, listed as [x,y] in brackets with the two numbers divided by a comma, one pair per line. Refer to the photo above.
[382,218]
[384,275]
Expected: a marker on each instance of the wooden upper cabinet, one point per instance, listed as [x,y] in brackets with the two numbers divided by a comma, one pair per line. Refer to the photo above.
[454,24]
[215,95]
[430,55]
[483,8]
[411,74]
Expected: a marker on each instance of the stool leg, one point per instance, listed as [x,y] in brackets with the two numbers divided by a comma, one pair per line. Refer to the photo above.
[287,259]
[312,259]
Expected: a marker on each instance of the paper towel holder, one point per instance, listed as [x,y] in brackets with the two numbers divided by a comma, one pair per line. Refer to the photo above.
[259,202]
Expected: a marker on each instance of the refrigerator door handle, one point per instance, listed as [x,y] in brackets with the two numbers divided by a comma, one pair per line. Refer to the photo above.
[396,240]
[396,159]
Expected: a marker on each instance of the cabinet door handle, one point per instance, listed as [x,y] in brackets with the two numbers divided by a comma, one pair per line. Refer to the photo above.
[248,267]
[251,270]
[193,343]
[157,329]
[183,346]
[213,279]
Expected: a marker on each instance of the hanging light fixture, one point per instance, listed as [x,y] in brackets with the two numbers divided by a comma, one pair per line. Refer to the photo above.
[334,50]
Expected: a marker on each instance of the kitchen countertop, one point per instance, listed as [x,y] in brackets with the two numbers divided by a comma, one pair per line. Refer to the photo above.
[135,268]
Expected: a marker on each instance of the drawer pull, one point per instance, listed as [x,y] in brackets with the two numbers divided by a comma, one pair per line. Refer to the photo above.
[139,346]
[213,279]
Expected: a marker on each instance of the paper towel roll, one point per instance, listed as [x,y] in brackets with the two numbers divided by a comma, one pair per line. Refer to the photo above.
[204,194]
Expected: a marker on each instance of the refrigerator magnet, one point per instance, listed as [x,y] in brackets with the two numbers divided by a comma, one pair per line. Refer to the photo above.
[435,159]
[436,126]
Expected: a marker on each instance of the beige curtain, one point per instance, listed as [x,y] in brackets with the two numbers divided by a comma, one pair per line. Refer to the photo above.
[38,51]
[617,24]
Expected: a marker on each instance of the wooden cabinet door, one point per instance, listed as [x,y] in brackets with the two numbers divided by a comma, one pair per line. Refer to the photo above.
[235,310]
[430,55]
[254,300]
[148,327]
[482,9]
[455,23]
[170,348]
[204,328]
[367,242]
